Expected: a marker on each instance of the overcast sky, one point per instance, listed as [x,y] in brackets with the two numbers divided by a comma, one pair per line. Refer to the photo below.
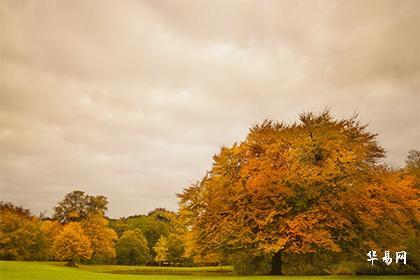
[130,99]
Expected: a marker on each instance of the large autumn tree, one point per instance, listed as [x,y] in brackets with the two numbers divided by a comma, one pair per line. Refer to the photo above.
[317,185]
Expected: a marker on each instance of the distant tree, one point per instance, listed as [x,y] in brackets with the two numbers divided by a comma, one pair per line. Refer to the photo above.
[102,238]
[413,159]
[413,163]
[152,227]
[157,223]
[21,237]
[176,248]
[72,244]
[77,206]
[161,250]
[51,229]
[10,207]
[163,215]
[132,248]
[413,168]
[97,204]
[299,188]
[119,225]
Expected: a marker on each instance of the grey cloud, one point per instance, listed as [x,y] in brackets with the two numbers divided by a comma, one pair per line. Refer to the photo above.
[131,99]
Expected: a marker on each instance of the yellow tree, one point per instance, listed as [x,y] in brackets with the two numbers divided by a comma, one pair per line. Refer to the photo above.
[297,188]
[72,245]
[102,237]
[161,250]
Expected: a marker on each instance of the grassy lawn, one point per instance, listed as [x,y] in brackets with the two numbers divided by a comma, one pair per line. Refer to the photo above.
[56,271]
[126,269]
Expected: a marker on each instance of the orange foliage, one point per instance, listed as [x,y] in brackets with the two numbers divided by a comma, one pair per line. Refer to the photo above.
[299,188]
[102,237]
[71,244]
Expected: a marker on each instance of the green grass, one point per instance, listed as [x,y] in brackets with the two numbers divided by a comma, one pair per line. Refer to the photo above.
[57,271]
[126,269]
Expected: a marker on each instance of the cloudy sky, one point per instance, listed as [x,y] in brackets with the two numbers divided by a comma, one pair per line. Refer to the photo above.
[130,99]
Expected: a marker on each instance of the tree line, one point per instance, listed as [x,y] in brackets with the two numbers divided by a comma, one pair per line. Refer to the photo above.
[310,197]
[79,231]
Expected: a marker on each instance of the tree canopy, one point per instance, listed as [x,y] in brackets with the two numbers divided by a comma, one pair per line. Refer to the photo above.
[77,206]
[298,188]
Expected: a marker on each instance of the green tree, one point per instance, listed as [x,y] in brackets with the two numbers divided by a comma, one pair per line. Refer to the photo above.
[132,248]
[413,164]
[153,225]
[118,225]
[176,248]
[77,206]
[157,223]
[162,214]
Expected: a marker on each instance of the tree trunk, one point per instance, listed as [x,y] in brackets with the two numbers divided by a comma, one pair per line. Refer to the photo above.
[276,264]
[71,263]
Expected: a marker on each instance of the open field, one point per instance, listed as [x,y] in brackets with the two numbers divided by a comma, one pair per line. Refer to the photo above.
[10,270]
